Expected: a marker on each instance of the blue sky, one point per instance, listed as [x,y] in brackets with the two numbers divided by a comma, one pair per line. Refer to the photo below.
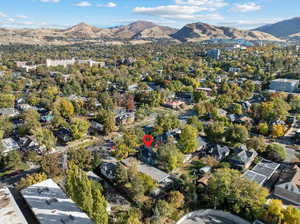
[175,13]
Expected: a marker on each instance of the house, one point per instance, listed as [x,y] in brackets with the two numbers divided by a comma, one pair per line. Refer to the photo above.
[157,175]
[210,216]
[108,170]
[147,155]
[284,85]
[64,135]
[96,126]
[288,185]
[9,144]
[26,107]
[202,144]
[9,112]
[246,105]
[174,104]
[214,53]
[64,62]
[234,70]
[50,204]
[9,210]
[242,157]
[30,143]
[187,97]
[46,115]
[124,117]
[262,171]
[218,152]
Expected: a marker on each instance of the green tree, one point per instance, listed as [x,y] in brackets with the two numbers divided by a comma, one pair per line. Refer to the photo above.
[45,137]
[81,157]
[227,190]
[215,131]
[295,104]
[79,127]
[107,118]
[166,122]
[7,100]
[188,140]
[274,213]
[169,157]
[237,133]
[263,128]
[31,120]
[63,107]
[195,122]
[50,165]
[31,179]
[291,215]
[257,143]
[276,152]
[12,160]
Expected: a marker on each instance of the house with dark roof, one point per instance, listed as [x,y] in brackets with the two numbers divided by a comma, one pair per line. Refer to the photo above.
[242,158]
[288,185]
[218,152]
[64,135]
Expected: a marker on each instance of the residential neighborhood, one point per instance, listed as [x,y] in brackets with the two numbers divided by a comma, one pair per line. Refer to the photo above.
[163,132]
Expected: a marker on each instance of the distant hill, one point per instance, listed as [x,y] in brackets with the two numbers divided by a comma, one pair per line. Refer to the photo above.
[135,33]
[283,29]
[202,31]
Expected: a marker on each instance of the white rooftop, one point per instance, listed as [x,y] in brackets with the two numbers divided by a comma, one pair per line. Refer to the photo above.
[156,174]
[286,80]
[51,205]
[9,211]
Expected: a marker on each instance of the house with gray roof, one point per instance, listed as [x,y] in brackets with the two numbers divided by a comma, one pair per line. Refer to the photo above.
[9,144]
[51,205]
[288,185]
[9,112]
[9,210]
[243,157]
[218,152]
[262,171]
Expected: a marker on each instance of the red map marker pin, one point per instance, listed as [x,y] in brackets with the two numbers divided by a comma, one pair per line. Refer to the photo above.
[148,139]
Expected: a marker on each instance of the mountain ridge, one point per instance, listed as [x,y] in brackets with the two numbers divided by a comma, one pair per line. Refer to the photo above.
[282,29]
[136,31]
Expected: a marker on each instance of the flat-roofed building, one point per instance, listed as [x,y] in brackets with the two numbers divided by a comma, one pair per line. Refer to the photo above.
[262,171]
[284,85]
[51,205]
[9,210]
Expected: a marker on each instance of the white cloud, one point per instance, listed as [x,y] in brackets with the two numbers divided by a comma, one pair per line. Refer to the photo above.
[21,17]
[210,3]
[83,4]
[53,1]
[2,15]
[246,7]
[183,12]
[169,10]
[108,5]
[248,24]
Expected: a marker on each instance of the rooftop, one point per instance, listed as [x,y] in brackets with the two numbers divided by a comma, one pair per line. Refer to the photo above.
[286,80]
[9,211]
[52,206]
[210,216]
[262,171]
[156,174]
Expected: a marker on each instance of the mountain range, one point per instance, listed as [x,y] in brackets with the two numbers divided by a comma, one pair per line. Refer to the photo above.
[286,29]
[144,31]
